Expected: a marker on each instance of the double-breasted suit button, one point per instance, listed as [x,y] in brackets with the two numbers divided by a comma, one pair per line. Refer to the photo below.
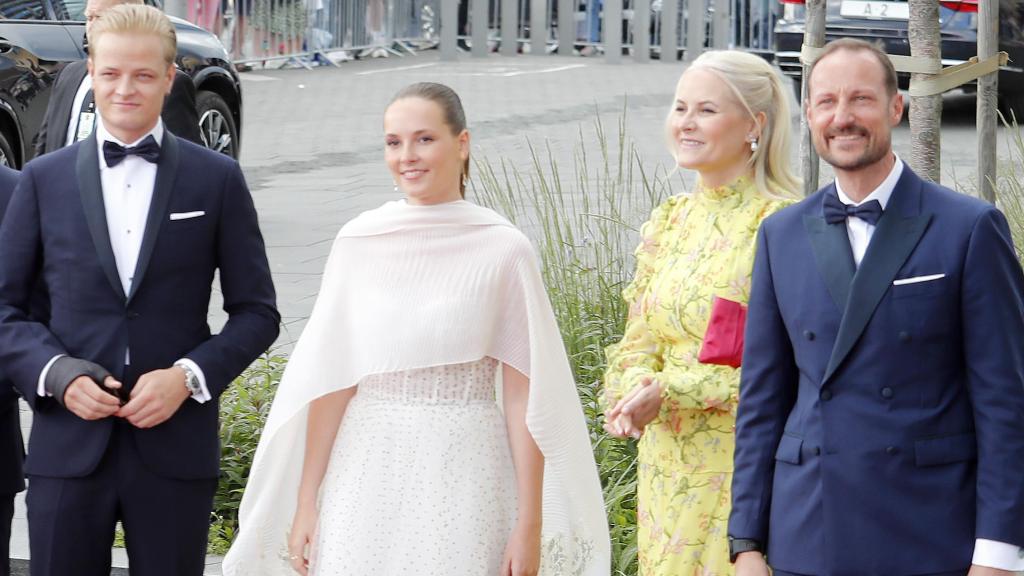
[887,393]
[826,395]
[808,334]
[890,450]
[904,336]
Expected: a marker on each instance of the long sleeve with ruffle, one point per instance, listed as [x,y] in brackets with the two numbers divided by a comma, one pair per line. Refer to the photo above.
[639,354]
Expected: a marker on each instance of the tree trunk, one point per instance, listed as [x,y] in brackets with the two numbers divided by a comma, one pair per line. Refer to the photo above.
[988,87]
[814,35]
[925,111]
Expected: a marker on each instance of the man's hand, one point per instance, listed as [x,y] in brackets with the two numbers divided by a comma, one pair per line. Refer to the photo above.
[85,399]
[751,564]
[986,571]
[155,397]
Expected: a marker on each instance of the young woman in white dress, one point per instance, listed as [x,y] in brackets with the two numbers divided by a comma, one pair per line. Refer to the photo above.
[386,450]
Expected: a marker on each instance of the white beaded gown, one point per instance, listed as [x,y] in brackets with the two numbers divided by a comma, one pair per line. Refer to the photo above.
[420,479]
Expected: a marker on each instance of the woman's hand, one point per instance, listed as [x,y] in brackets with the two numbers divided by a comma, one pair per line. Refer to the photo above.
[635,410]
[522,553]
[300,539]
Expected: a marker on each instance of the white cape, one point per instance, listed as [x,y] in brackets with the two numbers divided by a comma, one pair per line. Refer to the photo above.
[409,287]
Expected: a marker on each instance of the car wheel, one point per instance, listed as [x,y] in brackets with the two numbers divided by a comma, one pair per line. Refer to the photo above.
[6,152]
[216,124]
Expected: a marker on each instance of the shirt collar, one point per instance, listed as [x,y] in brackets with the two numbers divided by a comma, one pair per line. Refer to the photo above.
[884,191]
[102,135]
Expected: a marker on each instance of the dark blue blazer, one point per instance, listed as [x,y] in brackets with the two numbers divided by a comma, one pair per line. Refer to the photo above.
[56,229]
[12,448]
[880,427]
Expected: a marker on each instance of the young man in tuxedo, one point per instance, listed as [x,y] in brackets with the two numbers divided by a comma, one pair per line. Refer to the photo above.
[71,112]
[880,428]
[125,231]
[12,449]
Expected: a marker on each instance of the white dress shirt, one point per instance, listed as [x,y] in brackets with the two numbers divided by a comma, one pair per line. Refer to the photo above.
[986,552]
[76,108]
[127,194]
[859,230]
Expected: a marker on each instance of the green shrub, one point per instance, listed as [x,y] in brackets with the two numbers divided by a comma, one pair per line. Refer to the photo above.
[243,411]
[585,222]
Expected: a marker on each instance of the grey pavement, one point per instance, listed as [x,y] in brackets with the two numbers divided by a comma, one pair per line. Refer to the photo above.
[312,149]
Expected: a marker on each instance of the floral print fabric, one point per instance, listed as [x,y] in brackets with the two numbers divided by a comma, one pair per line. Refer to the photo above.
[694,247]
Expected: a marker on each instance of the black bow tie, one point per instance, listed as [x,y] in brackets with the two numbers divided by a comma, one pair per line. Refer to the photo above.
[148,150]
[836,211]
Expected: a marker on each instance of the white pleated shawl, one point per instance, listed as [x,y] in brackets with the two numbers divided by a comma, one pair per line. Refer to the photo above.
[409,287]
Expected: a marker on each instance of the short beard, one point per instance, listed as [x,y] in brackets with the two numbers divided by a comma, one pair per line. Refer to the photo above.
[875,151]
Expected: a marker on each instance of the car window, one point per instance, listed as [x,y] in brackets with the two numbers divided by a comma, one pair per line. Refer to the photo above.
[73,10]
[22,10]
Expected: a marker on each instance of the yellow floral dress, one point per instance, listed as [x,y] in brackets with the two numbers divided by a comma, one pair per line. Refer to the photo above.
[694,247]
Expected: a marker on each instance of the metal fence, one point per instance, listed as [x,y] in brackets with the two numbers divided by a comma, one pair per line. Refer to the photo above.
[327,31]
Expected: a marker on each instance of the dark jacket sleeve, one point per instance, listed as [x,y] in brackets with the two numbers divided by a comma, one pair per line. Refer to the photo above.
[768,384]
[180,115]
[26,345]
[992,309]
[249,297]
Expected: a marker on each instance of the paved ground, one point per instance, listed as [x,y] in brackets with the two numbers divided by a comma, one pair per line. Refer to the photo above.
[312,146]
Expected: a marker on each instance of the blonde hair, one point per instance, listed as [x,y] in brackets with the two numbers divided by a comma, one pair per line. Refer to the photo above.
[136,19]
[757,86]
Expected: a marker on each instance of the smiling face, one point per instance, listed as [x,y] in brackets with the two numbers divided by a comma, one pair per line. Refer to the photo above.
[851,113]
[710,128]
[130,78]
[424,156]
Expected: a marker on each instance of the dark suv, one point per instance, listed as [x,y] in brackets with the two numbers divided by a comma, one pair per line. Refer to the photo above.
[886,21]
[38,37]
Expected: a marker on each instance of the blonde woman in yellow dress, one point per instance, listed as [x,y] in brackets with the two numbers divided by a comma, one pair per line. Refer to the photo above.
[672,381]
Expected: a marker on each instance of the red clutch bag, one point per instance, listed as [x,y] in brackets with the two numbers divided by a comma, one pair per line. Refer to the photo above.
[723,340]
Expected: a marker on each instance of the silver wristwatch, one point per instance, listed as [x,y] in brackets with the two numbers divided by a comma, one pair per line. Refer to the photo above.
[191,380]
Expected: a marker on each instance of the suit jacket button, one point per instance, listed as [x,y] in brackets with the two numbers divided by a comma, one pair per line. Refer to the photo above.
[890,450]
[904,337]
[886,392]
[826,395]
[817,450]
[808,334]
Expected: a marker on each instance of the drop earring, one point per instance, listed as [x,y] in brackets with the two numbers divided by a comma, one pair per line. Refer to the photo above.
[753,144]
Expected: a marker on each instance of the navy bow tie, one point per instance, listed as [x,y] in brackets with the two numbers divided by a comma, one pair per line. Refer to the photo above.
[836,211]
[148,150]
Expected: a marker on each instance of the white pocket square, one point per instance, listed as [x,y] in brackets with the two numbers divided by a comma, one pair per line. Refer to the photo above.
[187,215]
[917,279]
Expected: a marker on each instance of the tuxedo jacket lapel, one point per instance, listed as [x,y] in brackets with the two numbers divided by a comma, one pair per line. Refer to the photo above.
[87,169]
[898,232]
[166,170]
[833,255]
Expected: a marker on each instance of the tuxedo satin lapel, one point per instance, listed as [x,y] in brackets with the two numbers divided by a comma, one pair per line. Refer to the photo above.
[831,246]
[898,232]
[166,172]
[87,169]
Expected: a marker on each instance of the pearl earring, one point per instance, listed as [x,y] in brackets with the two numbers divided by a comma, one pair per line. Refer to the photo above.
[753,144]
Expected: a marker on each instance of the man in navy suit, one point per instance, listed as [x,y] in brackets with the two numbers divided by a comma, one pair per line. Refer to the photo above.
[12,450]
[125,231]
[880,427]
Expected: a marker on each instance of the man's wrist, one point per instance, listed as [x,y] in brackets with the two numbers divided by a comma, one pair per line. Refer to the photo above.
[739,546]
[190,378]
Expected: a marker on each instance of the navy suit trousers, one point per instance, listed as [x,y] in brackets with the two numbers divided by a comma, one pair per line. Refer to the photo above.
[165,520]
